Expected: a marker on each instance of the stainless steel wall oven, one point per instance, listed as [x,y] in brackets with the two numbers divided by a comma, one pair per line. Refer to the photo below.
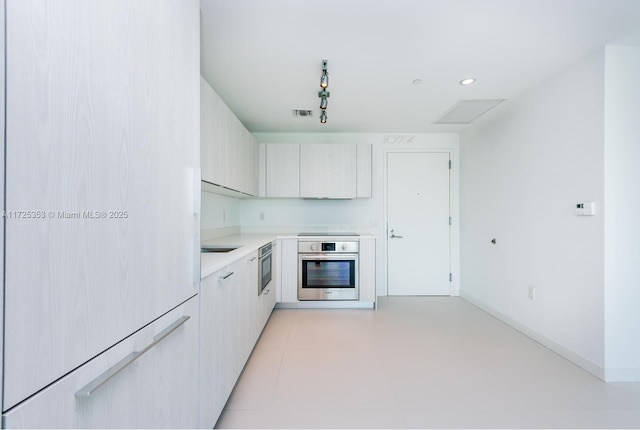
[264,267]
[328,270]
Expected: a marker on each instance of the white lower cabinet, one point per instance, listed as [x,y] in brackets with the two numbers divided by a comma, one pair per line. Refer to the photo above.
[287,284]
[289,270]
[219,297]
[156,390]
[232,318]
[367,259]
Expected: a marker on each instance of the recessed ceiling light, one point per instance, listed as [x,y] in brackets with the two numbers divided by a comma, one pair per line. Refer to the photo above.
[416,81]
[467,81]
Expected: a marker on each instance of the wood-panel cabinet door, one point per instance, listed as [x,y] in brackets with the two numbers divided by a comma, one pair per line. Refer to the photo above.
[282,170]
[208,157]
[367,260]
[102,134]
[328,170]
[215,135]
[157,390]
[289,266]
[363,179]
[248,308]
[219,301]
[248,163]
[276,270]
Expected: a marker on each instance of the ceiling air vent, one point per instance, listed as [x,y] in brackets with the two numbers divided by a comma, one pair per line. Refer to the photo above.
[466,111]
[302,112]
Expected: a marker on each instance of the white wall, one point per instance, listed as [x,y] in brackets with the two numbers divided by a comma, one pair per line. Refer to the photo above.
[218,212]
[361,215]
[622,206]
[523,169]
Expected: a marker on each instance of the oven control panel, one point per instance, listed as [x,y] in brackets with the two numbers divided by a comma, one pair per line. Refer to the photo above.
[330,247]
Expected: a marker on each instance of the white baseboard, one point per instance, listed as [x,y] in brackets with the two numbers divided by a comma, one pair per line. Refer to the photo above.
[326,304]
[578,360]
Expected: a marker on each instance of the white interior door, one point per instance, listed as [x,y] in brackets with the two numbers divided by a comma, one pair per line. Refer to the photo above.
[418,243]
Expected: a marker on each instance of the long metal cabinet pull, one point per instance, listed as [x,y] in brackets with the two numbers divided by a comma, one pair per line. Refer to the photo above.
[88,389]
[222,278]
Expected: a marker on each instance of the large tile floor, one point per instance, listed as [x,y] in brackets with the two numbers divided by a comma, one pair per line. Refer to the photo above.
[416,363]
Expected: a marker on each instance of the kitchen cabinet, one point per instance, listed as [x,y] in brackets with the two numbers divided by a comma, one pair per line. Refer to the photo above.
[248,170]
[2,152]
[289,267]
[276,270]
[229,152]
[329,170]
[219,306]
[368,269]
[363,170]
[267,299]
[213,157]
[288,254]
[249,310]
[233,316]
[282,170]
[104,133]
[336,171]
[158,390]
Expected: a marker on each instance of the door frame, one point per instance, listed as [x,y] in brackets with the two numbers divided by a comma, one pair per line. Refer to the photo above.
[454,231]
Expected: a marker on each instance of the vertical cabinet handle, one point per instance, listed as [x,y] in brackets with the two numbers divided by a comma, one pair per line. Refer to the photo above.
[92,386]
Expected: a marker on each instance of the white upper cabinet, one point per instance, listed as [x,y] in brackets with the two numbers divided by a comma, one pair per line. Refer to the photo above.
[332,170]
[248,169]
[282,170]
[328,170]
[363,179]
[103,134]
[229,152]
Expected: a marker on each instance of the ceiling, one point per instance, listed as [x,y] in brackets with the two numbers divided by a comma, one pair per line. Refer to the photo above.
[264,57]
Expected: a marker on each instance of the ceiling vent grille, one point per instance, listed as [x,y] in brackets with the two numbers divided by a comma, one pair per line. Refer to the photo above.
[302,112]
[466,111]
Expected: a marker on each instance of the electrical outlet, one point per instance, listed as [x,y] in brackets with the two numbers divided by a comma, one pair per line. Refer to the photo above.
[532,292]
[261,216]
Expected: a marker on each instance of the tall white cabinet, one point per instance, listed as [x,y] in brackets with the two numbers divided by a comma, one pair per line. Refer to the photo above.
[102,139]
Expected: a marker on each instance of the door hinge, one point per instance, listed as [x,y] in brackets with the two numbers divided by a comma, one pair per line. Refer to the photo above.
[450,277]
[450,221]
[449,164]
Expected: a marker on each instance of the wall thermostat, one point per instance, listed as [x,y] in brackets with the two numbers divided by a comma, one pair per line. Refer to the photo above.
[585,209]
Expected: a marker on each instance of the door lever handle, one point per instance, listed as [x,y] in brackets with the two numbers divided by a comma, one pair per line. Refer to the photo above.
[394,236]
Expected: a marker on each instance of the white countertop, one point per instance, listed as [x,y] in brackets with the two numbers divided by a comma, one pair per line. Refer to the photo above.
[247,243]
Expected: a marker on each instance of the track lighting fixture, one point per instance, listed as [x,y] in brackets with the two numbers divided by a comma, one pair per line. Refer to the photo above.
[324,79]
[324,94]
